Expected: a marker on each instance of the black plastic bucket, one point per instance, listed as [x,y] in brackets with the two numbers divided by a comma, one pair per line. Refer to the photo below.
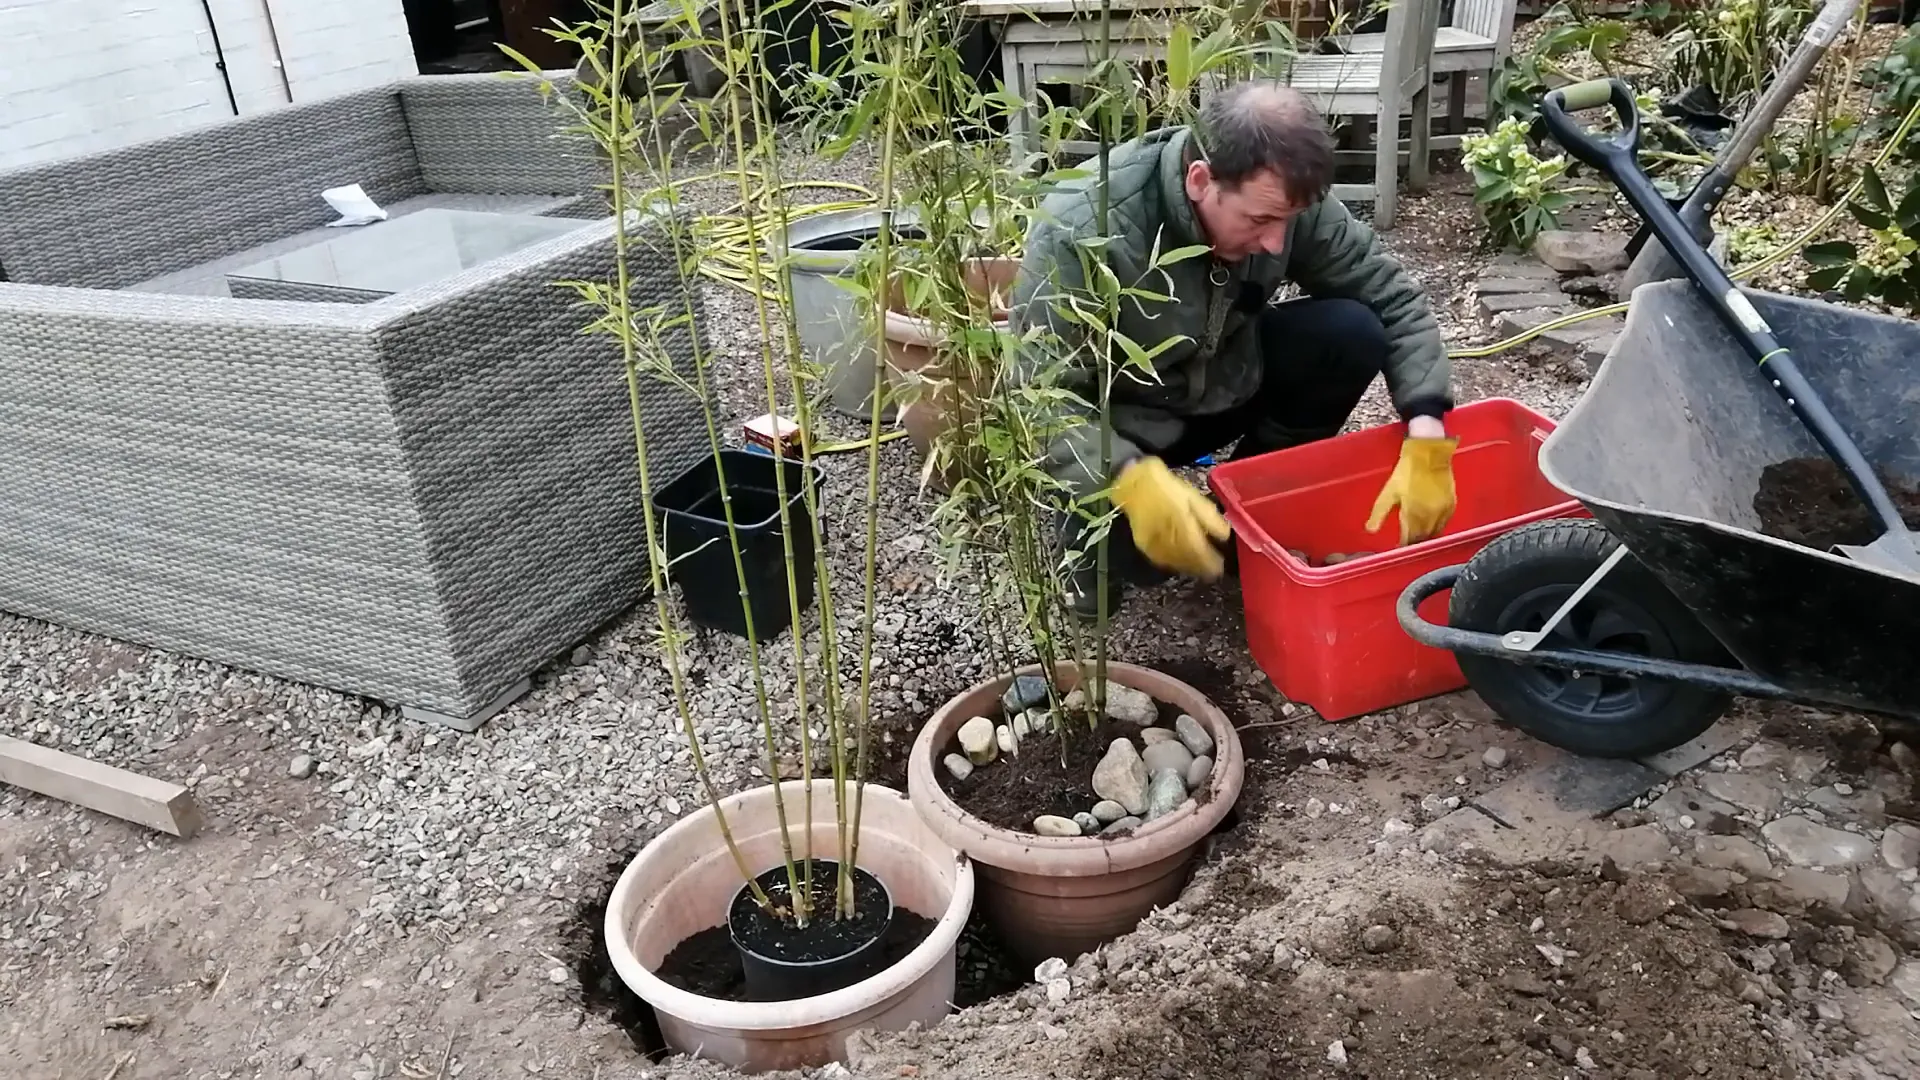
[783,962]
[702,555]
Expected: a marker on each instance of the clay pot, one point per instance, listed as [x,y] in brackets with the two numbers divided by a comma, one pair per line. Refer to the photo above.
[681,882]
[920,372]
[1063,896]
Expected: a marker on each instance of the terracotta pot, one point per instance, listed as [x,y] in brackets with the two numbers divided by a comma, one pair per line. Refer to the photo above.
[919,364]
[681,882]
[1062,896]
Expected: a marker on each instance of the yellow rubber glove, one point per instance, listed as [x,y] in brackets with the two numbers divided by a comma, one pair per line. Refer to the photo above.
[1422,487]
[1173,524]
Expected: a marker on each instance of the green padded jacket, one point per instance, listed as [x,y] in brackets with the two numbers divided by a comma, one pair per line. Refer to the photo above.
[1328,253]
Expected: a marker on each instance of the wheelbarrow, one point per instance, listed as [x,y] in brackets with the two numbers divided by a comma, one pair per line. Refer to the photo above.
[1630,633]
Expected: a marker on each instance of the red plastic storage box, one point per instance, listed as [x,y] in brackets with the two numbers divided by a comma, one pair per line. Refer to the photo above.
[1327,635]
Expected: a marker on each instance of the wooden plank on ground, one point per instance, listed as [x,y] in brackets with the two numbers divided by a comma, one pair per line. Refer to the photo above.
[142,800]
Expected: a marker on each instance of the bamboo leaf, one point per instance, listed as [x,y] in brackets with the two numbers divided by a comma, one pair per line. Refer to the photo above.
[1831,253]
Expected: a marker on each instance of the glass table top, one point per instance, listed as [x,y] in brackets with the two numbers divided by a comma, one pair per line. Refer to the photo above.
[410,250]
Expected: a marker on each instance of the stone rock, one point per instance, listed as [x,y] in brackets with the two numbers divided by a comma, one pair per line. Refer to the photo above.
[977,740]
[1685,808]
[1505,286]
[1021,727]
[1642,899]
[958,766]
[1495,757]
[1050,969]
[1869,806]
[1899,848]
[1801,888]
[1804,765]
[1379,938]
[1193,735]
[1024,693]
[1008,744]
[1756,794]
[1495,303]
[1704,883]
[1087,822]
[1123,703]
[1764,755]
[1157,735]
[1731,853]
[1123,825]
[1807,844]
[1572,252]
[1906,980]
[1122,777]
[1891,903]
[1313,808]
[1054,825]
[1168,791]
[1869,961]
[1631,849]
[301,766]
[1756,923]
[1039,720]
[1198,772]
[1167,755]
[1106,811]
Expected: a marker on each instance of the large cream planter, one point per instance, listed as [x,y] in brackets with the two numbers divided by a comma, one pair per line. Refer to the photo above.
[681,883]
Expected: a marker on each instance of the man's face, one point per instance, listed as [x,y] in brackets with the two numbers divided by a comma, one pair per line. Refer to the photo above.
[1240,221]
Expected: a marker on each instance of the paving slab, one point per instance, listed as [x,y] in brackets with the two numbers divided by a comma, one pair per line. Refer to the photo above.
[1513,265]
[1489,286]
[1495,303]
[1514,322]
[1447,834]
[1567,790]
[1716,740]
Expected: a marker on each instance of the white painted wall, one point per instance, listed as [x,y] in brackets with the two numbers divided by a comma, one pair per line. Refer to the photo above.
[86,75]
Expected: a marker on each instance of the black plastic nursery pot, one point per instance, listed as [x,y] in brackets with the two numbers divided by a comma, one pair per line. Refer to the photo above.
[782,960]
[702,554]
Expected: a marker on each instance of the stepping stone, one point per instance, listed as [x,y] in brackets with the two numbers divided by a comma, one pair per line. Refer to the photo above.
[1498,302]
[1490,286]
[1715,741]
[1513,265]
[1515,322]
[1568,790]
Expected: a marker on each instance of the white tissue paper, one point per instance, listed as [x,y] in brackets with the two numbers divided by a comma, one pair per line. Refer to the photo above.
[353,205]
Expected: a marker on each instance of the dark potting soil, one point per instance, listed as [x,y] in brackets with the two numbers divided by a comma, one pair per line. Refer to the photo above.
[1015,790]
[708,963]
[825,937]
[1809,501]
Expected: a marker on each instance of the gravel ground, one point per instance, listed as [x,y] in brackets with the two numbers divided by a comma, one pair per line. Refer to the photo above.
[417,906]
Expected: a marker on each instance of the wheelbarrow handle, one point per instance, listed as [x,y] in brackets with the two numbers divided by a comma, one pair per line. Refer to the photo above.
[1611,156]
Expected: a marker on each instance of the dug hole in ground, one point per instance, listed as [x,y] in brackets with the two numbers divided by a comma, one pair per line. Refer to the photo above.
[372,898]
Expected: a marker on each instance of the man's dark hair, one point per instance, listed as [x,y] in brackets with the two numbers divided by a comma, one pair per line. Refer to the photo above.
[1260,124]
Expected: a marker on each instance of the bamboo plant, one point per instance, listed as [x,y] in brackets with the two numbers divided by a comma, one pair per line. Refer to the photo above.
[625,102]
[1008,395]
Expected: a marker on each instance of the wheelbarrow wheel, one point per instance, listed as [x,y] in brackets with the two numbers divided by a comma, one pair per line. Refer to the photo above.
[1520,579]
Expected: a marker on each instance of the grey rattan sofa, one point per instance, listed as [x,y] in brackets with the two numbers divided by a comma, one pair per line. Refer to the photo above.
[420,499]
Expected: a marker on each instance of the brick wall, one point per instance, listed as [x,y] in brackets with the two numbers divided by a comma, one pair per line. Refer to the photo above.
[85,75]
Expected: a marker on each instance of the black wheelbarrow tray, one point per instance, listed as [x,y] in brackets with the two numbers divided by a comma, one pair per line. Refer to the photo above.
[1681,601]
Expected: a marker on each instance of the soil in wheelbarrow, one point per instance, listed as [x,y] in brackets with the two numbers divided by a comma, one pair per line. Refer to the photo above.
[1809,501]
[1010,791]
